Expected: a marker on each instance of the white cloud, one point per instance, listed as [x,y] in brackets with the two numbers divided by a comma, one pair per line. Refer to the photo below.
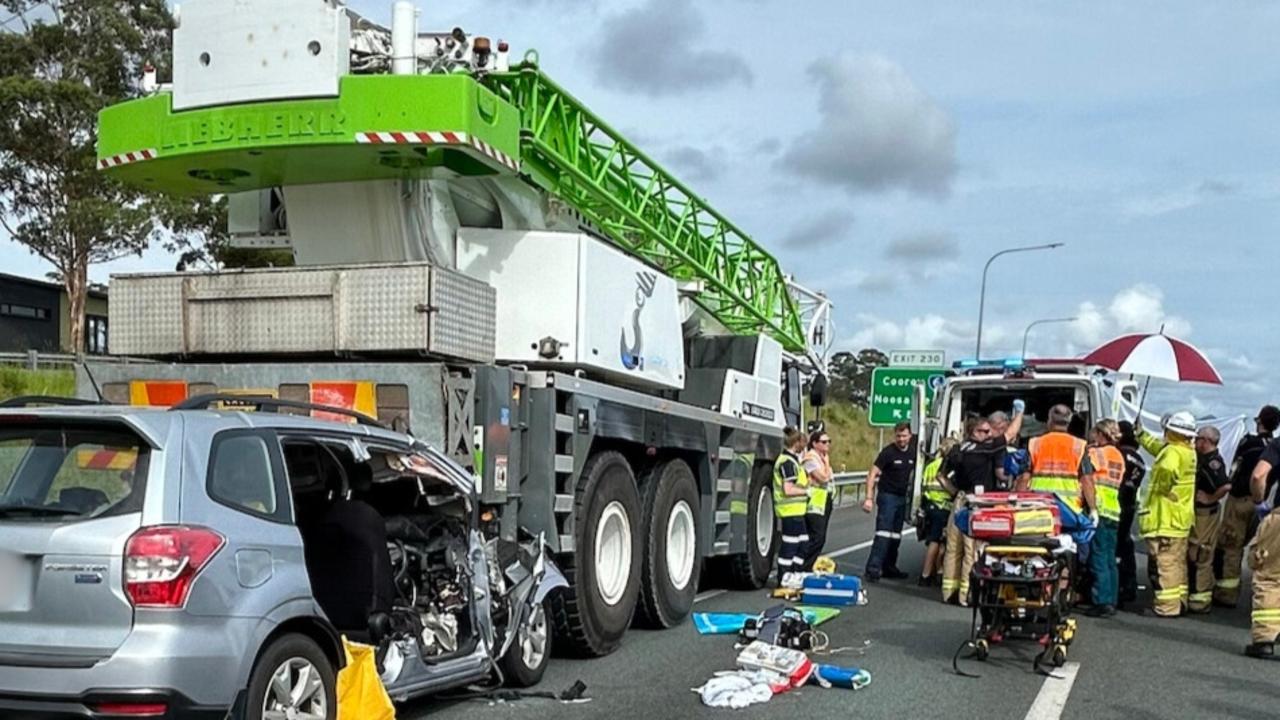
[929,245]
[1178,199]
[829,227]
[696,164]
[1139,308]
[877,283]
[878,130]
[925,332]
[1198,407]
[1136,309]
[1241,362]
[659,48]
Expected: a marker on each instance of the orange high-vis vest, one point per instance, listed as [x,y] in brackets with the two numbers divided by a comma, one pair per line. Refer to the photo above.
[1055,466]
[1108,474]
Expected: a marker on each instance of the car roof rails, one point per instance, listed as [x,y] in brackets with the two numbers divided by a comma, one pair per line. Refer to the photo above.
[270,404]
[28,401]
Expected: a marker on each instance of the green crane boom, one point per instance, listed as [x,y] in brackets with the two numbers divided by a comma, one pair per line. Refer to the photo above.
[568,151]
[395,126]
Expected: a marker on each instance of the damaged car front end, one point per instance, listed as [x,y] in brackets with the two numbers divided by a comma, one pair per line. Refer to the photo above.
[464,604]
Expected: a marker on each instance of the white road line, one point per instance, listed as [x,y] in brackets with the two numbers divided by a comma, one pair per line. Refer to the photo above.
[851,549]
[838,553]
[1053,694]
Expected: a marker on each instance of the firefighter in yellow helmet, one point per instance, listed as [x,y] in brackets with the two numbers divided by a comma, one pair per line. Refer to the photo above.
[1264,558]
[1166,510]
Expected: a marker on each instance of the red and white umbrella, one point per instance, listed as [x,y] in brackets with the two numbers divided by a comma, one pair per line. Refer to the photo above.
[1155,356]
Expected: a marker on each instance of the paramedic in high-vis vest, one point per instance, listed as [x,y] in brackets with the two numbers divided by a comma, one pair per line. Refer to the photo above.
[1166,510]
[817,469]
[1105,466]
[790,500]
[937,513]
[972,468]
[1264,557]
[1055,459]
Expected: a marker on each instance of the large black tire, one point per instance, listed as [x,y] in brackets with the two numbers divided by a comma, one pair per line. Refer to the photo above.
[750,570]
[669,494]
[523,666]
[285,649]
[588,623]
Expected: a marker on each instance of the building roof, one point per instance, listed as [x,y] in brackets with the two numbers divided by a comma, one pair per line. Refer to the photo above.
[95,290]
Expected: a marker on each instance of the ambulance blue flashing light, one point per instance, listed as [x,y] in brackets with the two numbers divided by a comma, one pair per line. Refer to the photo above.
[1013,363]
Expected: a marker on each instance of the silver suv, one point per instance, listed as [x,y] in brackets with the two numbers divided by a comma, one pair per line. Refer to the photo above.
[204,562]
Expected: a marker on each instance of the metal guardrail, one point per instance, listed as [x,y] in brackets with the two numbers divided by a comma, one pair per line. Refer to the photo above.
[35,360]
[849,483]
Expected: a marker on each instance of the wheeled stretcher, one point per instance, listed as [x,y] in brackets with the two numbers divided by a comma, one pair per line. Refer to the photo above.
[1018,584]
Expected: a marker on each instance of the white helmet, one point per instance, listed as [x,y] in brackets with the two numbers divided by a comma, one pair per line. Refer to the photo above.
[1181,423]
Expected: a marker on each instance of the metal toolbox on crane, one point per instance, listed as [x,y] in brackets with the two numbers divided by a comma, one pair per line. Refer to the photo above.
[401,308]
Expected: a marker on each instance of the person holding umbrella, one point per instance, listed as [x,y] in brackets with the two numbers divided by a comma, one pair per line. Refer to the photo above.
[1166,510]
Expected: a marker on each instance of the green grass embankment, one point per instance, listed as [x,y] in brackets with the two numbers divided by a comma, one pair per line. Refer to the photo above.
[854,443]
[15,382]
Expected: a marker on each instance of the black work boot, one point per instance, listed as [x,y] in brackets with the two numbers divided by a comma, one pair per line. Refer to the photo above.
[1261,650]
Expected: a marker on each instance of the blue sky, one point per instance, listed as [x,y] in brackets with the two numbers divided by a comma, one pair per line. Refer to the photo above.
[885,150]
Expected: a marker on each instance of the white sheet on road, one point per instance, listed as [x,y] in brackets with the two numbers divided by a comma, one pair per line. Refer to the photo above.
[736,689]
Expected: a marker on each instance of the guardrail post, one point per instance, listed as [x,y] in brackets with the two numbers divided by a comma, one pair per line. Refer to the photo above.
[33,360]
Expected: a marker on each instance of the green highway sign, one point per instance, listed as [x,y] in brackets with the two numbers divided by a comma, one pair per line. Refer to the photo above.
[891,390]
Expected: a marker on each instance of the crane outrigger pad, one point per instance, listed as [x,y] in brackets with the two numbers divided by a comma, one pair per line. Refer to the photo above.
[378,127]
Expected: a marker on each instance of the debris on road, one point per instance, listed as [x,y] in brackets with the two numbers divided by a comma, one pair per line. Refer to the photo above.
[730,623]
[735,690]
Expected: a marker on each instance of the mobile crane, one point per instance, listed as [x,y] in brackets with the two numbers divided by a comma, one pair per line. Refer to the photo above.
[481,260]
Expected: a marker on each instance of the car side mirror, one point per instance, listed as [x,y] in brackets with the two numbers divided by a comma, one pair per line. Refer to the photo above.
[818,391]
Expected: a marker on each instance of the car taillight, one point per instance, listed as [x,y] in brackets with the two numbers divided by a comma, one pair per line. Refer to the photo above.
[133,709]
[161,562]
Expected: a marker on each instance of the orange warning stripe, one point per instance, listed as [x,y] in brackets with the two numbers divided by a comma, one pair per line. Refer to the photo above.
[159,393]
[351,395]
[106,459]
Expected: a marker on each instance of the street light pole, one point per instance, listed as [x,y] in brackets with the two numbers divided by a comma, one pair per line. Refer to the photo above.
[982,297]
[1045,321]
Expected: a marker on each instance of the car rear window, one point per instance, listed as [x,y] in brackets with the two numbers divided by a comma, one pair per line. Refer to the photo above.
[67,472]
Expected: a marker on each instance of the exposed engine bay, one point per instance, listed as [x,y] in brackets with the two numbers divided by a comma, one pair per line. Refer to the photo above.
[432,578]
[398,557]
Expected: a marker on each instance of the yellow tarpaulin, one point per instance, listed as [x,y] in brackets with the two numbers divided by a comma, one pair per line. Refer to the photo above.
[361,695]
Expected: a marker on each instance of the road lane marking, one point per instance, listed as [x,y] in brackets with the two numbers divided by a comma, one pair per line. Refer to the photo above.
[851,549]
[1053,694]
[708,595]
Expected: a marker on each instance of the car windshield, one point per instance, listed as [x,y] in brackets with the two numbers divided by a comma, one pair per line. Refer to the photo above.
[67,472]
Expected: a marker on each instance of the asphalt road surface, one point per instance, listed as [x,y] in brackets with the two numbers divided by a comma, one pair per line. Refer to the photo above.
[1131,666]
